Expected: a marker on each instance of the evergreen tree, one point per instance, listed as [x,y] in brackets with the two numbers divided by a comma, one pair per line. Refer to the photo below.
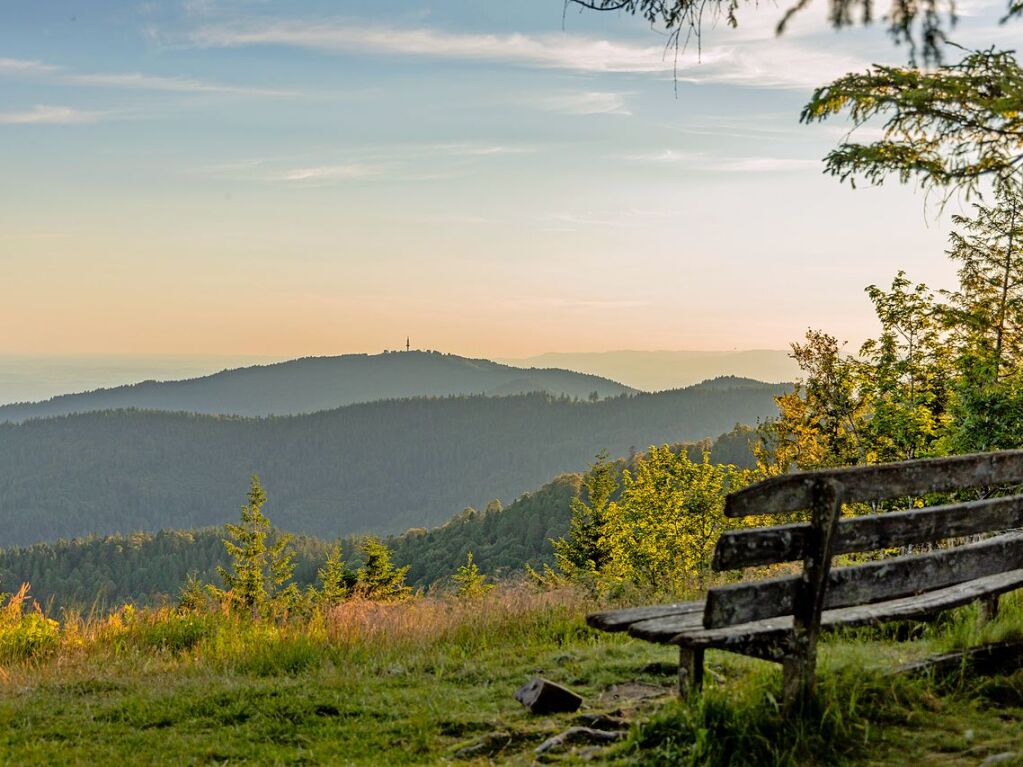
[194,596]
[949,127]
[821,420]
[985,319]
[334,578]
[987,310]
[378,578]
[255,581]
[472,584]
[585,549]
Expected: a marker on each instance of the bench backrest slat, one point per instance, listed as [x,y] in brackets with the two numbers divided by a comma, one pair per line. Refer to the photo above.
[794,492]
[787,543]
[863,584]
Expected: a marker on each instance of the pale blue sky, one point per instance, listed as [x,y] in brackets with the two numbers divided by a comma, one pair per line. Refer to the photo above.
[244,177]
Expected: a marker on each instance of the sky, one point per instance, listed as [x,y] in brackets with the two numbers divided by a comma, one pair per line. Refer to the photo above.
[491,178]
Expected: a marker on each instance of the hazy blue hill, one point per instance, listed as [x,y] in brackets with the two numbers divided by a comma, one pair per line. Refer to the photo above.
[380,467]
[321,383]
[659,370]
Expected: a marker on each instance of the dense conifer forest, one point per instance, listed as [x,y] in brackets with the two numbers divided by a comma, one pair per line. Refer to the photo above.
[150,568]
[376,468]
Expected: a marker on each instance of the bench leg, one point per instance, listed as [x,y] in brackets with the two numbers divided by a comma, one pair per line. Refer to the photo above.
[690,670]
[798,679]
[989,608]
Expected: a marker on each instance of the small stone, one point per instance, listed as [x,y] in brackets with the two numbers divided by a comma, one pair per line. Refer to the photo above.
[575,735]
[541,696]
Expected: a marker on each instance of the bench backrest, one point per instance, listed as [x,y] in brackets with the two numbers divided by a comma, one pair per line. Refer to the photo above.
[815,542]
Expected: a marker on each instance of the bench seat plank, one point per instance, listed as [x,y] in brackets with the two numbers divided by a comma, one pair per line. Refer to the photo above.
[792,492]
[758,546]
[620,620]
[685,629]
[878,581]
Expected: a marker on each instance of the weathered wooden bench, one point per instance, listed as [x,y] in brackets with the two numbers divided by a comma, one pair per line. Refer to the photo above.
[780,619]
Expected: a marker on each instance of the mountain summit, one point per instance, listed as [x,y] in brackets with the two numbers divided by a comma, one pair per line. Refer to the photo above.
[311,384]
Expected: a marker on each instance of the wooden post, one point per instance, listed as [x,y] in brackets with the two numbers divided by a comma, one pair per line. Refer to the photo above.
[989,608]
[690,670]
[799,667]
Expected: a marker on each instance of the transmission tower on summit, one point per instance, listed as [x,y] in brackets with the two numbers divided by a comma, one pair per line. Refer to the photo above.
[408,343]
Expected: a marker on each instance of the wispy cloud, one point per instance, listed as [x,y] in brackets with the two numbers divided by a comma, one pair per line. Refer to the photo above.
[708,162]
[782,63]
[43,114]
[328,173]
[137,81]
[398,162]
[561,51]
[768,165]
[127,80]
[473,150]
[587,103]
[25,66]
[671,156]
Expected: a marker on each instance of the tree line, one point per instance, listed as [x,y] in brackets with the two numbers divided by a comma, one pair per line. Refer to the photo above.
[377,468]
[944,377]
[150,568]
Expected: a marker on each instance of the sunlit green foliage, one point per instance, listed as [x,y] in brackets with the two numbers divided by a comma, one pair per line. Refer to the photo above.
[336,581]
[25,632]
[378,578]
[657,533]
[472,584]
[662,530]
[945,375]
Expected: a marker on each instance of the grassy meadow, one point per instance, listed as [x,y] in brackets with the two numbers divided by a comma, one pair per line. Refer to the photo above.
[415,682]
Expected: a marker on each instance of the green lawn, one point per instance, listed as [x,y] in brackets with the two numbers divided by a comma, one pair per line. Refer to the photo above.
[140,694]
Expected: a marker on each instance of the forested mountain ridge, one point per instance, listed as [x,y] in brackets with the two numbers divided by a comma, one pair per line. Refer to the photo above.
[147,568]
[311,384]
[381,467]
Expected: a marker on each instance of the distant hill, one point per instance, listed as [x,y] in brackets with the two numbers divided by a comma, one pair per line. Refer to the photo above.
[35,377]
[381,467]
[322,383]
[659,370]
